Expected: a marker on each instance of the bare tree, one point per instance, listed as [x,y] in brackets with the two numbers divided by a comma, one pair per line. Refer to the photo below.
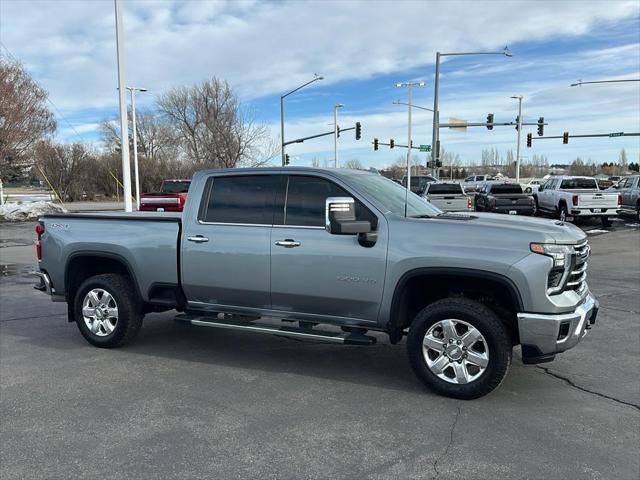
[24,117]
[68,167]
[355,164]
[214,130]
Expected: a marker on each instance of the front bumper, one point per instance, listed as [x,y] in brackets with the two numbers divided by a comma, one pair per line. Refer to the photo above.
[544,335]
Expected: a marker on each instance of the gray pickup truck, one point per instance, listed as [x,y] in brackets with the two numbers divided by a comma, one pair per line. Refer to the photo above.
[281,250]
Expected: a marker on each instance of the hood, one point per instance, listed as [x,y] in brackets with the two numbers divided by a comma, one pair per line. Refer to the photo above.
[540,230]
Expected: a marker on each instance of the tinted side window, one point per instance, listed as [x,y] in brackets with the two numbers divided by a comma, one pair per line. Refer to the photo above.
[243,199]
[306,197]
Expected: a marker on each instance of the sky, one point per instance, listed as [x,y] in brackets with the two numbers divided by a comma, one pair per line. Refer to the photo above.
[362,49]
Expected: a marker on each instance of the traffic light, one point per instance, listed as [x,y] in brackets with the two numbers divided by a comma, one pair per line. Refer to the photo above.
[529,139]
[392,143]
[429,164]
[375,144]
[438,163]
[286,159]
[358,130]
[565,137]
[541,126]
[490,121]
[518,122]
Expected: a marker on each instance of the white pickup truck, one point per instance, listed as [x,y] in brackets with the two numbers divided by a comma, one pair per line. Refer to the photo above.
[568,197]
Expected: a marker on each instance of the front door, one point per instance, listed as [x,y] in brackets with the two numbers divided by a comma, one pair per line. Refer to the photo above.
[315,272]
[226,250]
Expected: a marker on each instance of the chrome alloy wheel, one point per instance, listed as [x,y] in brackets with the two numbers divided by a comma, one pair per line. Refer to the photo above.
[455,351]
[100,312]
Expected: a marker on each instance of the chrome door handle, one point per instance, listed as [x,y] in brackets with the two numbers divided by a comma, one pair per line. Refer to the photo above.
[287,243]
[198,239]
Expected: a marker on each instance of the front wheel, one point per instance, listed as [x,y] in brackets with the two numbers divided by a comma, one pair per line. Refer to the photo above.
[459,348]
[107,311]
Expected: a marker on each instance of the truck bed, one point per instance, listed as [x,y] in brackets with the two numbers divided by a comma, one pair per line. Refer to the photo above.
[147,243]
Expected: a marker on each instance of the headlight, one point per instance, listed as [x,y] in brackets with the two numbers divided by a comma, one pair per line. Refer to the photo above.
[561,254]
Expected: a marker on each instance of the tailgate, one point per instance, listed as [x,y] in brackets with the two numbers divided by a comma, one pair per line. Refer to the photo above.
[512,200]
[598,200]
[449,202]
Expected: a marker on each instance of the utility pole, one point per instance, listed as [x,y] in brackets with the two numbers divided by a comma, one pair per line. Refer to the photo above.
[135,141]
[519,128]
[335,134]
[124,129]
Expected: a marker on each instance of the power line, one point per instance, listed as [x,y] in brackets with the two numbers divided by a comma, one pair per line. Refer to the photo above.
[55,108]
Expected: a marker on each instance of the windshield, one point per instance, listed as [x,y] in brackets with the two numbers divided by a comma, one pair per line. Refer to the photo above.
[392,196]
[175,187]
[579,183]
[445,188]
[507,188]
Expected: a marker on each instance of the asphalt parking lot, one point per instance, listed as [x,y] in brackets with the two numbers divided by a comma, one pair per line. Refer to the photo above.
[188,402]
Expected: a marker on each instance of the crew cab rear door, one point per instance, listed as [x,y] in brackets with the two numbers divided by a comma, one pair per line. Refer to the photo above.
[225,250]
[317,273]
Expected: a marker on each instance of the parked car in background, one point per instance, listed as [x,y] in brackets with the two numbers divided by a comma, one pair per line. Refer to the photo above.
[567,197]
[504,197]
[629,191]
[532,186]
[472,183]
[418,182]
[171,197]
[448,197]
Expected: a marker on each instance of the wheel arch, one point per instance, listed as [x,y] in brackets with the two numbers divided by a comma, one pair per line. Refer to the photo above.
[451,281]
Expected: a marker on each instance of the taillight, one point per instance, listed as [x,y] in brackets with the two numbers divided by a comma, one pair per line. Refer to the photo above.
[575,200]
[469,203]
[619,199]
[39,232]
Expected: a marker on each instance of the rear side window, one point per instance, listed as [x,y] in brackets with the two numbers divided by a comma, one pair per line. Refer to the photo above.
[306,199]
[244,199]
[578,183]
[506,188]
[445,188]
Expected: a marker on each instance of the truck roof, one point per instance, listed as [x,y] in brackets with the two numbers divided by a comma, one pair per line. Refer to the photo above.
[338,172]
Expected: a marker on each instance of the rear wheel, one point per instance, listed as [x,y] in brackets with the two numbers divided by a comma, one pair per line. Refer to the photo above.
[107,311]
[536,208]
[459,348]
[605,221]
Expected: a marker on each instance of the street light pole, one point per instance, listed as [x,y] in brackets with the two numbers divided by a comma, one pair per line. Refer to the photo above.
[409,104]
[519,98]
[282,97]
[135,141]
[335,134]
[436,114]
[124,130]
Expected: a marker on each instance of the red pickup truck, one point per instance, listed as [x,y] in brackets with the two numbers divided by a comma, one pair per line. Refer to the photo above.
[171,197]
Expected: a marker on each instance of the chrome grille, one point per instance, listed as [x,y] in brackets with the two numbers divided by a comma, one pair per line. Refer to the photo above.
[578,273]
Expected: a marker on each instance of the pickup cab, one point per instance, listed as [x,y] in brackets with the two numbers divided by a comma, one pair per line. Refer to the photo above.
[418,182]
[629,191]
[472,183]
[171,197]
[570,197]
[448,197]
[284,250]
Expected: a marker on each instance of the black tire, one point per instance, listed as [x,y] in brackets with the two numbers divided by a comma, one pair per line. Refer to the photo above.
[130,313]
[605,221]
[536,207]
[563,213]
[482,318]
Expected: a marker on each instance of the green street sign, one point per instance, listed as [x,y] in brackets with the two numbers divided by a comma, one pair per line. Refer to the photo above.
[616,134]
[425,148]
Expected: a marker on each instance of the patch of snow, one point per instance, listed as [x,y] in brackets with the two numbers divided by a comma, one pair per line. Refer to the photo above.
[22,212]
[632,225]
[595,230]
[615,219]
